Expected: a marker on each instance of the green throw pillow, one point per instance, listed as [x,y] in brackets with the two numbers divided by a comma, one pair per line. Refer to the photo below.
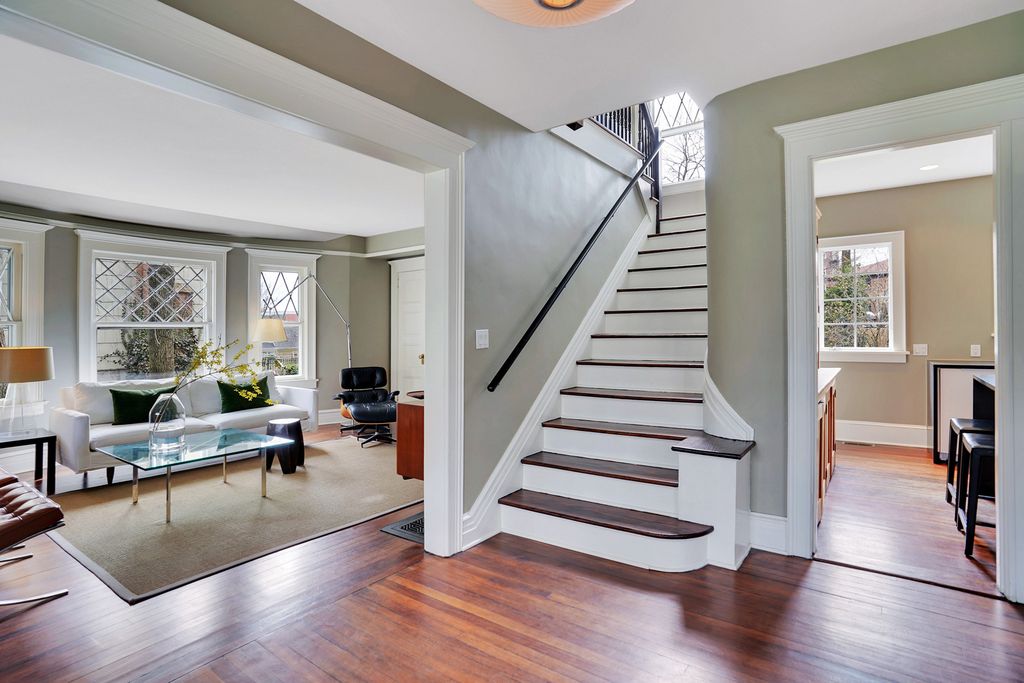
[231,398]
[133,405]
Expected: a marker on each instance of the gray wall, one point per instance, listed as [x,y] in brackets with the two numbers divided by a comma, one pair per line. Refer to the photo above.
[745,197]
[947,233]
[531,200]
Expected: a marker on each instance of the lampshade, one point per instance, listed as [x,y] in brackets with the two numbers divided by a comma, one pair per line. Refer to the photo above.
[270,330]
[553,13]
[26,364]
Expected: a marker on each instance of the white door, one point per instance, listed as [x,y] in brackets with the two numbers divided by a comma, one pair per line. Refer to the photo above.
[408,324]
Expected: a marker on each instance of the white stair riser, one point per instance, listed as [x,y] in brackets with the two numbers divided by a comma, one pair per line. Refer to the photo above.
[671,258]
[668,298]
[637,450]
[650,348]
[667,555]
[646,379]
[634,495]
[675,321]
[684,224]
[686,239]
[667,278]
[657,413]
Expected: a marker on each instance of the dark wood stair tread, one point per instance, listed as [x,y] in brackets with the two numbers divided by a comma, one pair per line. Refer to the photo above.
[620,519]
[646,474]
[706,444]
[669,250]
[679,218]
[643,270]
[633,311]
[623,429]
[677,232]
[641,363]
[636,394]
[660,289]
[649,335]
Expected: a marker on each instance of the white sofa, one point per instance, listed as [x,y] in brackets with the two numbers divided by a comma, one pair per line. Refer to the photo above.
[84,421]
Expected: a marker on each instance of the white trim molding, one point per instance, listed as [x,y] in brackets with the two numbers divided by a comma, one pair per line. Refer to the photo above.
[995,107]
[395,267]
[720,418]
[29,270]
[484,517]
[768,532]
[884,433]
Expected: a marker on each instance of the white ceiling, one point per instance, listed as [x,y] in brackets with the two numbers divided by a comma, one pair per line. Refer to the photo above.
[546,77]
[898,167]
[80,139]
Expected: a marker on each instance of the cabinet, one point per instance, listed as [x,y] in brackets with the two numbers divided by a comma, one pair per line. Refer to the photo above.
[826,433]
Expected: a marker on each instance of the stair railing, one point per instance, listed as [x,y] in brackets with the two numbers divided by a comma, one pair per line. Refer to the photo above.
[652,142]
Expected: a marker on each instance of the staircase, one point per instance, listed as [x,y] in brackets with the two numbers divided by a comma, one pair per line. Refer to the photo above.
[626,471]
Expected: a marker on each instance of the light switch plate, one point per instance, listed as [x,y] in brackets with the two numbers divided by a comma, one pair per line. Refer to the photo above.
[975,350]
[920,349]
[483,339]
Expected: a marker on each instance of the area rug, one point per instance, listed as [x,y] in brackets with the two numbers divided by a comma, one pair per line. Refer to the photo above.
[215,525]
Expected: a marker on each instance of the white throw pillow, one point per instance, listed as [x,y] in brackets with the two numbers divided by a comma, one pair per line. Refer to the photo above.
[93,398]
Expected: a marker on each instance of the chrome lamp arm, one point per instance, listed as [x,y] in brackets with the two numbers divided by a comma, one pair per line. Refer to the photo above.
[348,326]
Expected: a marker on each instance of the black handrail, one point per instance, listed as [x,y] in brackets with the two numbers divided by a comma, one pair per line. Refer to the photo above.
[572,269]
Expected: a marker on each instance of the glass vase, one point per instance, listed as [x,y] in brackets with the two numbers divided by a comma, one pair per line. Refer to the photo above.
[167,425]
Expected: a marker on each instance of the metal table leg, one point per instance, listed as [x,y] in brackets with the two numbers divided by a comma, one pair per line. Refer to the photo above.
[225,469]
[167,487]
[135,486]
[263,470]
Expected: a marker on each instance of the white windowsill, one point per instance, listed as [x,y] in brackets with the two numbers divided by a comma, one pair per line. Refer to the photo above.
[293,381]
[683,187]
[865,356]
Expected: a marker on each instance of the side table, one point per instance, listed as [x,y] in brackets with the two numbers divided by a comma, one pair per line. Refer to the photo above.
[37,438]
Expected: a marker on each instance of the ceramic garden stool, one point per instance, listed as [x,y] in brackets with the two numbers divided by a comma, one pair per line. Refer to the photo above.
[290,456]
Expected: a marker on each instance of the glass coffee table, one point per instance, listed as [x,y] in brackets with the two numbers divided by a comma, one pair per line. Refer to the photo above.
[218,444]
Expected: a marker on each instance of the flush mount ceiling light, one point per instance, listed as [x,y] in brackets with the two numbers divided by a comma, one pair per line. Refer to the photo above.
[552,13]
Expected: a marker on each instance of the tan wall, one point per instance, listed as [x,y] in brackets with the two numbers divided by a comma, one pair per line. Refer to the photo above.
[948,268]
[746,208]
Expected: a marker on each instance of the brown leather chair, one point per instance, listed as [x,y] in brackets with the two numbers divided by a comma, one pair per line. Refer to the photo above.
[24,513]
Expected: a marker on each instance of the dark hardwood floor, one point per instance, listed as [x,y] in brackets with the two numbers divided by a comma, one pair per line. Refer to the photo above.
[885,510]
[363,605]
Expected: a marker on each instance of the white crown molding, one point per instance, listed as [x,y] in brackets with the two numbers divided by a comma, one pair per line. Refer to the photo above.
[302,258]
[150,242]
[484,519]
[24,225]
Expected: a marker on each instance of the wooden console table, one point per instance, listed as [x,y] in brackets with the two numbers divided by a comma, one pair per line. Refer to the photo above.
[826,432]
[409,459]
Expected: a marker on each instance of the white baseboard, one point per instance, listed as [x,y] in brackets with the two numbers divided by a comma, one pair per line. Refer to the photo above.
[884,433]
[768,532]
[330,417]
[484,518]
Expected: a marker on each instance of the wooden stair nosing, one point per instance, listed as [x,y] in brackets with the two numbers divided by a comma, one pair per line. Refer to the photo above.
[622,429]
[634,311]
[676,232]
[612,469]
[679,218]
[649,335]
[642,363]
[607,516]
[635,394]
[660,289]
[649,268]
[669,250]
[706,444]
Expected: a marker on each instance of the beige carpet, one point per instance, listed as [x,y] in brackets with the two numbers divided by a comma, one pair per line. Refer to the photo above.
[216,525]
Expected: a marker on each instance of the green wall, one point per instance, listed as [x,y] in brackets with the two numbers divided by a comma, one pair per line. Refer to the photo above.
[531,200]
[745,200]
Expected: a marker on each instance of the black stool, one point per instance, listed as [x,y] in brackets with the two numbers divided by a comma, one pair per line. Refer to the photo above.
[977,462]
[959,426]
[292,455]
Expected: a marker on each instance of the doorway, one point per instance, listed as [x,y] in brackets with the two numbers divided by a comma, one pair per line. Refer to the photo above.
[408,324]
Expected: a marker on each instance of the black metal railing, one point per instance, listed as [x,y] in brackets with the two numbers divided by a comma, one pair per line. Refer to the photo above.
[652,144]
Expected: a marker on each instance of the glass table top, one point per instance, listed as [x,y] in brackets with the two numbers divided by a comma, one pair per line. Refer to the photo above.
[202,446]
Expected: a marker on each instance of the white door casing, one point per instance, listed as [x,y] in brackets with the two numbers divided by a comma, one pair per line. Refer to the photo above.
[408,324]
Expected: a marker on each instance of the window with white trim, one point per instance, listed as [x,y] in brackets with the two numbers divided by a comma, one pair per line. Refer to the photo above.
[10,298]
[275,292]
[148,304]
[680,121]
[861,303]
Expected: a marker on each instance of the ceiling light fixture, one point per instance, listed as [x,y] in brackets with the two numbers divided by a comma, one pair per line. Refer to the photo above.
[929,167]
[553,13]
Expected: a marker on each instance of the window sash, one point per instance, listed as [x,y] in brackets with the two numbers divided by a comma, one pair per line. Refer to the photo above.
[854,323]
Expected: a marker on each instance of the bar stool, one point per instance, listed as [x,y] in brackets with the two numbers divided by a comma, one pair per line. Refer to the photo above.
[958,426]
[978,455]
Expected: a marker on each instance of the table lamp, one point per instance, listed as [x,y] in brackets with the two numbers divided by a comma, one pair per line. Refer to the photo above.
[23,364]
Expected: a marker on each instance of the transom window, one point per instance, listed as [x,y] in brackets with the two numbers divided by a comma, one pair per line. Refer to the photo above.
[147,305]
[860,297]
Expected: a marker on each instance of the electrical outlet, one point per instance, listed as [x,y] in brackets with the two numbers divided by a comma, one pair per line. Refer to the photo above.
[975,350]
[483,339]
[920,349]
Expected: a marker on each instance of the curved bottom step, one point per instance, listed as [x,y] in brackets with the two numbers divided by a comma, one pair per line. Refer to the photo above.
[651,541]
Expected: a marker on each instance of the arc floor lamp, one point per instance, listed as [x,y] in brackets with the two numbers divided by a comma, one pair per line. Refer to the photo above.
[272,329]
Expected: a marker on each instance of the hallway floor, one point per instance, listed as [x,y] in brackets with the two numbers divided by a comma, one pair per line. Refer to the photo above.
[885,511]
